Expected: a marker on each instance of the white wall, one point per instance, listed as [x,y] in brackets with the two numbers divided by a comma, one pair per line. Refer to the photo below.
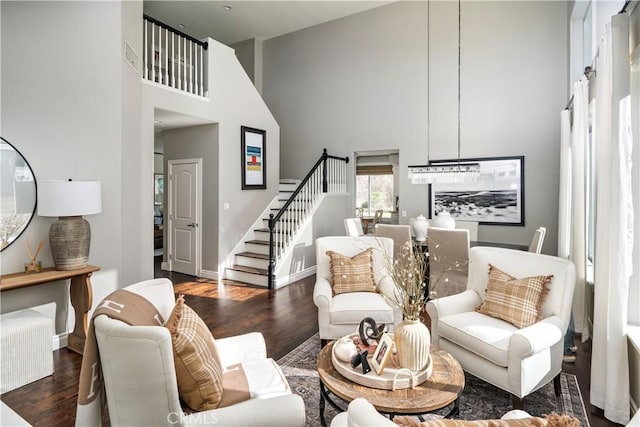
[62,87]
[359,83]
[233,102]
[192,143]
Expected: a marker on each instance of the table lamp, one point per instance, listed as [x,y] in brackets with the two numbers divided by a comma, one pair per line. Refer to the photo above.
[70,235]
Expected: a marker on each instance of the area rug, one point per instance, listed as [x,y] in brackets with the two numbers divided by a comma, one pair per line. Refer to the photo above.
[479,400]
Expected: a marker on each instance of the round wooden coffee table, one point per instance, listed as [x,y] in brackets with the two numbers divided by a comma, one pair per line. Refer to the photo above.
[440,390]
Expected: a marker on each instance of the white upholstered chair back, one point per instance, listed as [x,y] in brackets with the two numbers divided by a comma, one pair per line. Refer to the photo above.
[448,250]
[472,226]
[353,227]
[399,233]
[537,240]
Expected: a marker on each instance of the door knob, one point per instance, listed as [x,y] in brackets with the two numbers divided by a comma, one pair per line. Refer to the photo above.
[193,224]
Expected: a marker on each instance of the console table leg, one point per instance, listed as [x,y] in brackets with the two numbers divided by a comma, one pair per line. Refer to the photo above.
[81,299]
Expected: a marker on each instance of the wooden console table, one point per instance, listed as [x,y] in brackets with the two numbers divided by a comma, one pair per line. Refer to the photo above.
[80,292]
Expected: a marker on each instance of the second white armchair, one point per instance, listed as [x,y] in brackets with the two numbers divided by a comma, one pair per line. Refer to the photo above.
[341,314]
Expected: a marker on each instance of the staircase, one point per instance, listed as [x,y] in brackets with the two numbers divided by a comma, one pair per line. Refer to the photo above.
[268,246]
[252,265]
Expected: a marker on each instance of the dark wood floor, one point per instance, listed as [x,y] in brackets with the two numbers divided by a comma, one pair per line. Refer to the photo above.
[286,317]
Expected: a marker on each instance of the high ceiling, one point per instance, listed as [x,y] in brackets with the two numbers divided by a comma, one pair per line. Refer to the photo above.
[245,20]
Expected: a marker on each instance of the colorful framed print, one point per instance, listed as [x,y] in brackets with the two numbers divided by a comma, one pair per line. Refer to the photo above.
[254,166]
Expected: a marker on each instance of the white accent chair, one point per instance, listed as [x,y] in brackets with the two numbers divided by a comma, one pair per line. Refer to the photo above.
[353,227]
[448,260]
[339,315]
[361,413]
[140,379]
[519,361]
[537,240]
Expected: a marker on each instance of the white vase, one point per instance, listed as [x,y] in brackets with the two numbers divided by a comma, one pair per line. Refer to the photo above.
[444,220]
[420,228]
[413,340]
[345,348]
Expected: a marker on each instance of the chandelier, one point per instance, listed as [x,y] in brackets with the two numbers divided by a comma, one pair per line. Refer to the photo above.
[443,172]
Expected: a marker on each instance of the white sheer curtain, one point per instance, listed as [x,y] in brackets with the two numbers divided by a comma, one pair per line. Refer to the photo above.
[564,202]
[578,188]
[614,227]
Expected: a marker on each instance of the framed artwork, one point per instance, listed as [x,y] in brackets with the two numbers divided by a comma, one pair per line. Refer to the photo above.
[496,198]
[253,157]
[382,353]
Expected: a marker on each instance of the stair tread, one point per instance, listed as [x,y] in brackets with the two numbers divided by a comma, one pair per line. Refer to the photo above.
[253,270]
[253,255]
[263,242]
[266,230]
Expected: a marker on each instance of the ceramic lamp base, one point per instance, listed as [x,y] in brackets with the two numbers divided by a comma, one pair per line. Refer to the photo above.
[70,238]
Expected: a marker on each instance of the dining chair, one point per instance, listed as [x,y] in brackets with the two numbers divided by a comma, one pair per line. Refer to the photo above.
[448,260]
[537,240]
[399,233]
[353,227]
[377,217]
[472,226]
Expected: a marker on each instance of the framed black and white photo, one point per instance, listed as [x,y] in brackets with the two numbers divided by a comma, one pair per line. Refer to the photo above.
[253,157]
[495,198]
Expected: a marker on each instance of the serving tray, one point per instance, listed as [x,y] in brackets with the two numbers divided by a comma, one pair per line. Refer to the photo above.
[393,377]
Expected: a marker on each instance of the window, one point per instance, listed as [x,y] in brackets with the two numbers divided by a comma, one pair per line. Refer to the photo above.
[374,189]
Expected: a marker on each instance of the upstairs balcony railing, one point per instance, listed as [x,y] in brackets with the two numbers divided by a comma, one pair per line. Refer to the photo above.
[173,58]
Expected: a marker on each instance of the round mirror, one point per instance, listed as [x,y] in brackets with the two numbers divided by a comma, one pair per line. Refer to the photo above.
[17,193]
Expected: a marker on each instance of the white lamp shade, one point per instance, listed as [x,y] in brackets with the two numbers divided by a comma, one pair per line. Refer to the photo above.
[69,198]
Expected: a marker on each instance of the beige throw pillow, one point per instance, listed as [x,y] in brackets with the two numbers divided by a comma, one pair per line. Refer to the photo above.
[196,360]
[517,301]
[352,274]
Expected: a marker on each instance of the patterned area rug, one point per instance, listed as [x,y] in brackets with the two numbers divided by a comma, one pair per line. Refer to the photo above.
[480,400]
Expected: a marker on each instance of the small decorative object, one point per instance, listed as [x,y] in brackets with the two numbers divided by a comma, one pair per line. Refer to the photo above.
[382,353]
[34,265]
[444,220]
[345,349]
[361,359]
[420,227]
[369,331]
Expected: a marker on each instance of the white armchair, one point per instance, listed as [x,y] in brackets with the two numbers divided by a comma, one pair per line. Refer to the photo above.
[519,361]
[339,315]
[140,379]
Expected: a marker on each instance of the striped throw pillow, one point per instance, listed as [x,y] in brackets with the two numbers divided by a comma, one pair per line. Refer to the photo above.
[517,301]
[196,360]
[352,274]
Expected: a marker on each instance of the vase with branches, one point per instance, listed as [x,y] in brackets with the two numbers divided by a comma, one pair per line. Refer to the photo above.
[409,271]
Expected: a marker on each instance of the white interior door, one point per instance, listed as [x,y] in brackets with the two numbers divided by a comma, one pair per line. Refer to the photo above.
[184,216]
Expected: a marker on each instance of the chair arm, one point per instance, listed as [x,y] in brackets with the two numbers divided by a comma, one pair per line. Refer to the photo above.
[322,293]
[286,410]
[535,338]
[453,304]
[240,348]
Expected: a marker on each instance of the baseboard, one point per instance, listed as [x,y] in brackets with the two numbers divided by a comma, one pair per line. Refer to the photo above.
[165,266]
[208,274]
[59,341]
[287,280]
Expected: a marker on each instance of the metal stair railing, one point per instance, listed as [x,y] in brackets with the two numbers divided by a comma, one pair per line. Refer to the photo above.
[328,175]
